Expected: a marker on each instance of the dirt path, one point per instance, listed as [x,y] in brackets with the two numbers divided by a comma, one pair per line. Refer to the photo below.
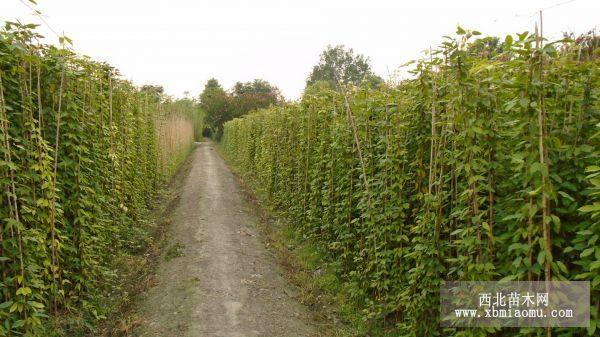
[226,283]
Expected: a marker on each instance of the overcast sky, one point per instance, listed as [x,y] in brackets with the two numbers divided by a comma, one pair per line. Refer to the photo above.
[180,44]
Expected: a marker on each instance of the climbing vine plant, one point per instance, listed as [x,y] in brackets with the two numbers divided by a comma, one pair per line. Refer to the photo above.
[83,154]
[483,166]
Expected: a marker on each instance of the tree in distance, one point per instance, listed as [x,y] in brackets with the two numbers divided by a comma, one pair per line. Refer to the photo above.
[221,106]
[339,65]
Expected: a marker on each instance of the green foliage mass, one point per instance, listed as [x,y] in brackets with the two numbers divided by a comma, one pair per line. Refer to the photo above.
[81,161]
[483,166]
[221,106]
[338,65]
[215,101]
[250,96]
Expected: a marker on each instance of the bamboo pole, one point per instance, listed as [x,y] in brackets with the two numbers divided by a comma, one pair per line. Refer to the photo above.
[13,193]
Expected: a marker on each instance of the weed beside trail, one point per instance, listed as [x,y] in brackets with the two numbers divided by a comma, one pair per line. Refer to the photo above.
[174,251]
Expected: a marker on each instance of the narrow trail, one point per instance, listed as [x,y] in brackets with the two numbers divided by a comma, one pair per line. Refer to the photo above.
[226,283]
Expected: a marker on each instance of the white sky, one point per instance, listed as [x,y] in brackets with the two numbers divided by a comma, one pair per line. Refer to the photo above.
[180,44]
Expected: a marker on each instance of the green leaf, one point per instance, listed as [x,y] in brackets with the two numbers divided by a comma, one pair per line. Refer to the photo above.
[36,305]
[508,278]
[587,252]
[593,168]
[456,231]
[555,221]
[562,267]
[541,257]
[24,291]
[535,192]
[18,324]
[590,208]
[566,196]
[585,232]
[592,328]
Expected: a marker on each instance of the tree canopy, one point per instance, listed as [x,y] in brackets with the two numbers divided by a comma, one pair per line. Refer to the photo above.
[338,64]
[249,96]
[215,102]
[221,106]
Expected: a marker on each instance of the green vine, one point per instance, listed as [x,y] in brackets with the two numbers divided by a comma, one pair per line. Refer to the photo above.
[83,155]
[484,166]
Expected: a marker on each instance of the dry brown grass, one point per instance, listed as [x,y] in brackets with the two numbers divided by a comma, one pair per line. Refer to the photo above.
[175,136]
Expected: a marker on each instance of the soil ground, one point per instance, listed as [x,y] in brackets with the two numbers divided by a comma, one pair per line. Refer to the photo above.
[218,278]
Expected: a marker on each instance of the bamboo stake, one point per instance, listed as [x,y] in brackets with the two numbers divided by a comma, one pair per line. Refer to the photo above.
[544,162]
[307,162]
[8,157]
[433,127]
[543,157]
[110,130]
[39,101]
[55,265]
[355,134]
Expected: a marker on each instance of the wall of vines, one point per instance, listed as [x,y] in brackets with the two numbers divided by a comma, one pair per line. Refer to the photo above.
[83,154]
[484,166]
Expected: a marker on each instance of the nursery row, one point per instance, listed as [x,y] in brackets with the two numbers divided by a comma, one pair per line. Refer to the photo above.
[83,155]
[485,165]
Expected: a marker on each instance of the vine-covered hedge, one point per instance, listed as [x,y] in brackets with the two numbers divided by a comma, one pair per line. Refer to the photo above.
[484,166]
[82,156]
